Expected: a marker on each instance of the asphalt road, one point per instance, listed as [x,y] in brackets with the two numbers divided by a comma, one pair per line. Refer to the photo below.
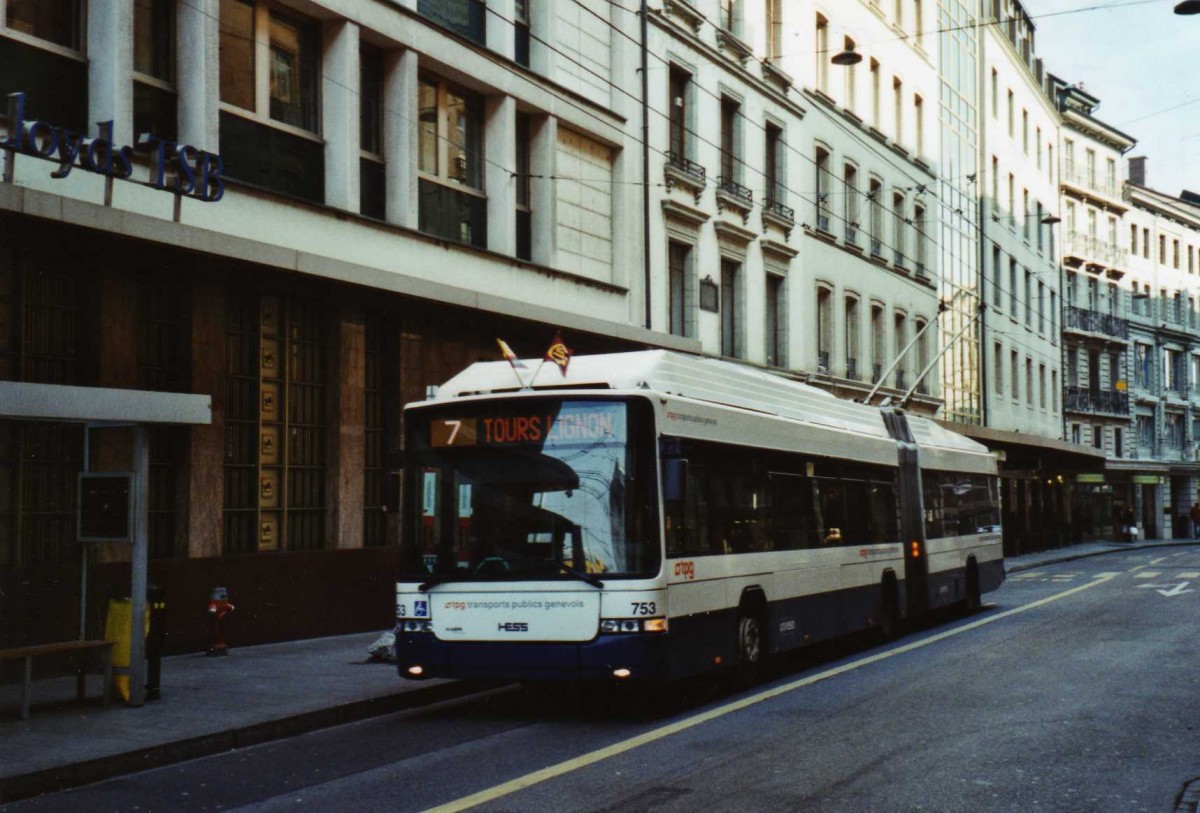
[1075,689]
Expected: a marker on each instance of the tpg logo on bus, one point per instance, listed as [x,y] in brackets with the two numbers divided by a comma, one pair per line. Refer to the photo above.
[686,570]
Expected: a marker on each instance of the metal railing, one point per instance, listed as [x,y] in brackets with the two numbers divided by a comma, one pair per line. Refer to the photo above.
[735,190]
[1090,321]
[777,209]
[687,167]
[1074,172]
[1083,399]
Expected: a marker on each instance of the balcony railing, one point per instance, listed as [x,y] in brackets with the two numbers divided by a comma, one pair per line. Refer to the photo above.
[1094,250]
[686,167]
[1082,399]
[1090,321]
[735,190]
[1078,174]
[774,208]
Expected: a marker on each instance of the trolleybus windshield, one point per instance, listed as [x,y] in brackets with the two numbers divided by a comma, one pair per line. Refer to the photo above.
[531,488]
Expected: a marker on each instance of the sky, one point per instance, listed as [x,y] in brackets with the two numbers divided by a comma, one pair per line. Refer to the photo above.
[1139,59]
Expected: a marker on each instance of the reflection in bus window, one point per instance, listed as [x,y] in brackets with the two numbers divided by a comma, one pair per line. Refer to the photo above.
[959,504]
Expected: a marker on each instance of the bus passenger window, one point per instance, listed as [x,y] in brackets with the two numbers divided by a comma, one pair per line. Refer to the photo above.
[791,514]
[831,514]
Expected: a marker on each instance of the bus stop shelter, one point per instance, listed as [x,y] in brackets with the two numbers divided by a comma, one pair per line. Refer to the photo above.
[97,407]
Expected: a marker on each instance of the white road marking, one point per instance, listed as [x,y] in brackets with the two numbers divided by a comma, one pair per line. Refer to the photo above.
[1190,574]
[1148,574]
[599,755]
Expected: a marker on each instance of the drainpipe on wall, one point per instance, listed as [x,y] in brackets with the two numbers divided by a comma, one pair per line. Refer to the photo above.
[645,164]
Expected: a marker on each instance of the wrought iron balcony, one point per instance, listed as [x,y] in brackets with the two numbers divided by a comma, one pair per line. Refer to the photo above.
[776,209]
[733,189]
[1109,402]
[686,173]
[1090,321]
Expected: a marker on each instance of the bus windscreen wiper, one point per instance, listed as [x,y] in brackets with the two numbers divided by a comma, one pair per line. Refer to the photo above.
[434,581]
[583,577]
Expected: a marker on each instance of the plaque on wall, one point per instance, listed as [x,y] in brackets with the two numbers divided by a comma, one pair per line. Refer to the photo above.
[268,316]
[269,397]
[268,488]
[269,445]
[268,532]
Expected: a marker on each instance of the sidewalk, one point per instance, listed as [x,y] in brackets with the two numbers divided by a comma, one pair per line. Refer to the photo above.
[208,705]
[256,694]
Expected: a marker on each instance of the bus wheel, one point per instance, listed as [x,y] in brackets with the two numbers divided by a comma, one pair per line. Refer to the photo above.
[750,648]
[973,601]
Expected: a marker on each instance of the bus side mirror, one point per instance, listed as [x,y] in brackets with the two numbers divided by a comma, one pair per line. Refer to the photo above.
[675,477]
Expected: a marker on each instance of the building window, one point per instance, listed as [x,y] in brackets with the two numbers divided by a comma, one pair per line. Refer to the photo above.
[731,323]
[919,121]
[850,202]
[466,18]
[524,188]
[823,185]
[900,227]
[875,93]
[1013,294]
[852,330]
[1014,369]
[372,182]
[997,277]
[776,346]
[850,79]
[900,336]
[154,99]
[824,327]
[1145,430]
[56,21]
[521,36]
[450,162]
[678,262]
[1028,382]
[1118,442]
[878,343]
[876,204]
[1098,437]
[898,103]
[680,90]
[288,92]
[923,360]
[919,240]
[998,365]
[1042,386]
[822,52]
[774,17]
[730,141]
[773,176]
[274,424]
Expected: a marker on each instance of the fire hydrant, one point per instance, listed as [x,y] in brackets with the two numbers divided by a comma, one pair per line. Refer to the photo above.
[219,608]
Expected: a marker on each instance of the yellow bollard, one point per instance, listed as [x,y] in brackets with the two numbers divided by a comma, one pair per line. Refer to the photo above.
[117,627]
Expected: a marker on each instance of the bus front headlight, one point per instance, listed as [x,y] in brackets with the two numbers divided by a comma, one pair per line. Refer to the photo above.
[623,625]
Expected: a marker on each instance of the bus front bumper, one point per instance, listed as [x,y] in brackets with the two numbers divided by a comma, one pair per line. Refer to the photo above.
[632,657]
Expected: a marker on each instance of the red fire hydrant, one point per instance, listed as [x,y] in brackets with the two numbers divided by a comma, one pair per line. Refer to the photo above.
[219,608]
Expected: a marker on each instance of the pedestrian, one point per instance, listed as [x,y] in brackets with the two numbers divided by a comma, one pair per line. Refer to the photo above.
[1195,515]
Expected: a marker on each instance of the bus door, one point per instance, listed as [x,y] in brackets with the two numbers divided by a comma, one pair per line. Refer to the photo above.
[912,513]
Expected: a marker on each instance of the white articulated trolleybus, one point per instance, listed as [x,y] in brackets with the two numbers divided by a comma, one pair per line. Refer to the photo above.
[652,515]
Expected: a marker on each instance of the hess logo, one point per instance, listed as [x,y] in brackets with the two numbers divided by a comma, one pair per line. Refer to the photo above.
[513,626]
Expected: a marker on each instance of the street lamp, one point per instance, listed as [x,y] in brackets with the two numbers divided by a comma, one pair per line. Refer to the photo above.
[849,56]
[1188,7]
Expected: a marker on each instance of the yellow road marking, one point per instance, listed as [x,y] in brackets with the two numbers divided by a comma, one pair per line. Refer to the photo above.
[584,760]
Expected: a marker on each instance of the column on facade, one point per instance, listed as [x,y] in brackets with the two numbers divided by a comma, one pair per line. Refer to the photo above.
[340,124]
[205,487]
[198,73]
[500,151]
[400,137]
[349,451]
[110,66]
[499,28]
[543,161]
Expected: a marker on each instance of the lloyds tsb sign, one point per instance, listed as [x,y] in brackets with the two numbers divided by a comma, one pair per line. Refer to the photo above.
[174,167]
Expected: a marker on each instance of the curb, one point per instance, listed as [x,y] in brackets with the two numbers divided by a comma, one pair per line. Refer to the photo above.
[90,771]
[1125,548]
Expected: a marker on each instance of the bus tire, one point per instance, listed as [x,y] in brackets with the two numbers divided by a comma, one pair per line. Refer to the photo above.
[972,602]
[889,620]
[751,647]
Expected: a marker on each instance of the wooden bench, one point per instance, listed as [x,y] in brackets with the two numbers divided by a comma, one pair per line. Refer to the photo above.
[28,653]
